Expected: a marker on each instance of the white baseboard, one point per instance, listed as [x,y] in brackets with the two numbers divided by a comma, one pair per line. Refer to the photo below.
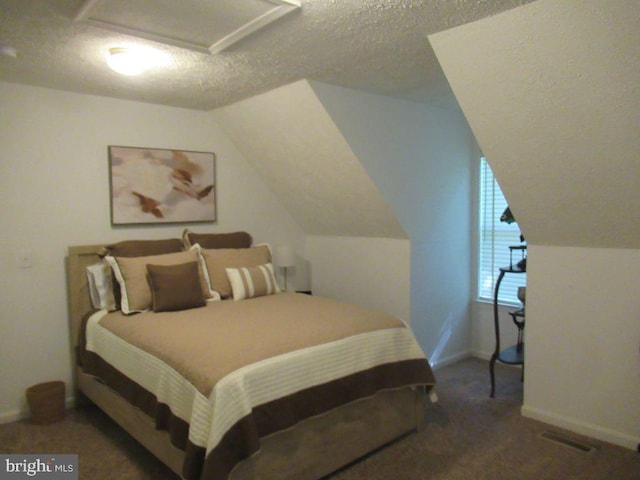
[13,416]
[22,414]
[443,362]
[582,428]
[468,354]
[482,355]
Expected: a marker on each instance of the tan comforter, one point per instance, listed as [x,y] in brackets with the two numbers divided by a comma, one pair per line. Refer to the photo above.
[227,374]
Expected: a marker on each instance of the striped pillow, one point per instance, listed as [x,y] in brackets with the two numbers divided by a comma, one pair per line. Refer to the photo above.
[250,282]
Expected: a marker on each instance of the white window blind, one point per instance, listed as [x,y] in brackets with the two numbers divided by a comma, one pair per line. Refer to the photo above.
[495,237]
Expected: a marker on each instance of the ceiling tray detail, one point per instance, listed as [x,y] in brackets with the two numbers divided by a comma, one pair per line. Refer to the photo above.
[205,26]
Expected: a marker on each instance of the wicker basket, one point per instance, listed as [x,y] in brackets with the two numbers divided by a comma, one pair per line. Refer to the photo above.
[46,402]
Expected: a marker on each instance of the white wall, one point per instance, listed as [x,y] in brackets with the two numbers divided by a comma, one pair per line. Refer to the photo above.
[55,193]
[583,337]
[420,157]
[374,272]
[483,337]
[558,118]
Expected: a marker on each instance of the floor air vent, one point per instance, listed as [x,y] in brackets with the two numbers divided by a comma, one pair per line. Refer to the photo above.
[567,442]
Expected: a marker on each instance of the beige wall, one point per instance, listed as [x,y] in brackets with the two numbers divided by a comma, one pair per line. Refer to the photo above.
[583,341]
[295,145]
[55,193]
[374,272]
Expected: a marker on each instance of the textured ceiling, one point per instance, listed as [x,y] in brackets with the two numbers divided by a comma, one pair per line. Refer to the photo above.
[376,45]
[559,115]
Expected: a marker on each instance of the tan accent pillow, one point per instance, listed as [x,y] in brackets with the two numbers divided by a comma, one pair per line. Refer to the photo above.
[218,260]
[138,248]
[250,282]
[131,274]
[216,240]
[175,287]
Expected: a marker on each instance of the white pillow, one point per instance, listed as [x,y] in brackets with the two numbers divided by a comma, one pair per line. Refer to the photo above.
[250,282]
[101,286]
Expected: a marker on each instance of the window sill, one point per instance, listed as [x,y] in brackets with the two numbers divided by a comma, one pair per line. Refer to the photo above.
[500,304]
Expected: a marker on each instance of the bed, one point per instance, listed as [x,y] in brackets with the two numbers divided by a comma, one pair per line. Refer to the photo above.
[342,396]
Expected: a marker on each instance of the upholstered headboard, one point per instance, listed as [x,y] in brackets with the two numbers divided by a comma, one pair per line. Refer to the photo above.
[82,256]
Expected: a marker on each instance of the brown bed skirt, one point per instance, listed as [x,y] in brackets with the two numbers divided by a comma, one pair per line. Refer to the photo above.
[312,449]
[244,438]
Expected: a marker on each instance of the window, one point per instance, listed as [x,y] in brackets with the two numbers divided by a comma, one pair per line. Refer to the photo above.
[495,237]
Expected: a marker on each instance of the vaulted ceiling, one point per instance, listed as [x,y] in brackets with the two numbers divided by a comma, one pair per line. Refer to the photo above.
[375,45]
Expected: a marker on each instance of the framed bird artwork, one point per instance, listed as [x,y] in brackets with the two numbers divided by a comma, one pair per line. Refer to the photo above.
[151,185]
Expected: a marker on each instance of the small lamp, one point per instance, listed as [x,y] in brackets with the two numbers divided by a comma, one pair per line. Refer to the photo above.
[508,218]
[284,256]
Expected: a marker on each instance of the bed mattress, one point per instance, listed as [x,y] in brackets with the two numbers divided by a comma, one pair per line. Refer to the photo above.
[221,377]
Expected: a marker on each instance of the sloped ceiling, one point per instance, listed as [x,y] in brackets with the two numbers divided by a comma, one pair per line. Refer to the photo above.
[552,95]
[295,146]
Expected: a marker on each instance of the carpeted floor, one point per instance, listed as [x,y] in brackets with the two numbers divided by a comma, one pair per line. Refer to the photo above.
[468,437]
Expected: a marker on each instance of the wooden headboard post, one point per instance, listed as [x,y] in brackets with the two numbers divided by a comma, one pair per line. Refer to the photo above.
[78,259]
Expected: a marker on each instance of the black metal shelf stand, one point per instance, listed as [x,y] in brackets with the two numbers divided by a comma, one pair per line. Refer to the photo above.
[513,355]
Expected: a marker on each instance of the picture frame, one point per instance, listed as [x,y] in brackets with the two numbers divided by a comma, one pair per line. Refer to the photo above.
[157,185]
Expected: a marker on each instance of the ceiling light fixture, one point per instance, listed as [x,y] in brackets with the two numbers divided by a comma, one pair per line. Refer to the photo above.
[135,60]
